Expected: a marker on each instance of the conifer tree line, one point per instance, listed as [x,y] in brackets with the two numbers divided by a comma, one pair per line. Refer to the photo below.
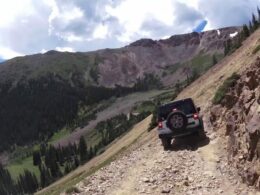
[232,44]
[26,183]
[112,128]
[54,162]
[53,103]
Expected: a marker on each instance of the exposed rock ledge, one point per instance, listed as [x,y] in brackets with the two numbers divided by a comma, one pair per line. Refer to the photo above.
[240,115]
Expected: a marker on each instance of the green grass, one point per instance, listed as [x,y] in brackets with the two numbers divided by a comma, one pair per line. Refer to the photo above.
[72,190]
[21,158]
[18,166]
[166,96]
[199,63]
[93,137]
[202,63]
[256,49]
[58,135]
[223,89]
[170,69]
[146,106]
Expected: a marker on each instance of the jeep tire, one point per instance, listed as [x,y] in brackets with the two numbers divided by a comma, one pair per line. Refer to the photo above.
[201,131]
[177,120]
[166,142]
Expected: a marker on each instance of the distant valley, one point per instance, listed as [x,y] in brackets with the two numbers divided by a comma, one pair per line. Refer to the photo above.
[43,93]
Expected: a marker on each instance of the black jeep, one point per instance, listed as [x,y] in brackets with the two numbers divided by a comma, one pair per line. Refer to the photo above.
[177,119]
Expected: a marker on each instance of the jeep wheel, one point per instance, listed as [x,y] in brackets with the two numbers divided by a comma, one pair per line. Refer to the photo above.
[177,120]
[201,132]
[166,142]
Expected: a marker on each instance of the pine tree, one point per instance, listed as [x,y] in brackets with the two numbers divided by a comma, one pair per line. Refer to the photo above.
[90,153]
[45,176]
[76,161]
[7,184]
[254,22]
[178,87]
[246,32]
[43,149]
[194,74]
[36,158]
[28,182]
[258,12]
[227,46]
[251,30]
[95,150]
[55,169]
[67,168]
[83,150]
[251,27]
[214,60]
[59,154]
[238,41]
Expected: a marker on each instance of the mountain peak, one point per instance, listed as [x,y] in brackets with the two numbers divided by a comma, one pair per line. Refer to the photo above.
[144,43]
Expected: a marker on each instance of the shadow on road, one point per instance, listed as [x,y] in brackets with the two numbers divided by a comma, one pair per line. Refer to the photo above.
[191,142]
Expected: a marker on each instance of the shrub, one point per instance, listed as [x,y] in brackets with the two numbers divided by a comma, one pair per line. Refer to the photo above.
[72,190]
[153,122]
[256,49]
[223,89]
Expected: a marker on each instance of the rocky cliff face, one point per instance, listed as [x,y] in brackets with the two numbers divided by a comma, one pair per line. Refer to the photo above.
[155,57]
[239,115]
[123,66]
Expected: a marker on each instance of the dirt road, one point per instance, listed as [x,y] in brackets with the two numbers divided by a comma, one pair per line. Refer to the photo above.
[193,166]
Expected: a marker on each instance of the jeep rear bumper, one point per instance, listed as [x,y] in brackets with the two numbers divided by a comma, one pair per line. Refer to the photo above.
[167,133]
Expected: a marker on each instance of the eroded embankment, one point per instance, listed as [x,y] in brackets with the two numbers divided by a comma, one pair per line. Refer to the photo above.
[239,117]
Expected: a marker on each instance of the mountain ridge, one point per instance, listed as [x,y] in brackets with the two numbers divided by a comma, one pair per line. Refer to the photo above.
[171,49]
[50,89]
[146,168]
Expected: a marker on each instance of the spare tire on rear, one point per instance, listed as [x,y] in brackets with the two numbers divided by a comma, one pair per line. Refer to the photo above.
[177,120]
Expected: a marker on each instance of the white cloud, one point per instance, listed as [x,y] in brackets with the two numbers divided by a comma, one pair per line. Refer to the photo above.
[64,15]
[12,9]
[72,38]
[43,51]
[131,16]
[28,26]
[7,53]
[100,32]
[63,49]
[192,3]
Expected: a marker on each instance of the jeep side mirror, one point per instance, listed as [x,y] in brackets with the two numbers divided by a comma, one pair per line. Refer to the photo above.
[198,109]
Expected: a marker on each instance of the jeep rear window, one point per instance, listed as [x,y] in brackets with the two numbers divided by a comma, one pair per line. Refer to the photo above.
[185,106]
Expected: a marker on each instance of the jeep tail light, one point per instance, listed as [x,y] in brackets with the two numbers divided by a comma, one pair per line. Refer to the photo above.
[196,116]
[160,125]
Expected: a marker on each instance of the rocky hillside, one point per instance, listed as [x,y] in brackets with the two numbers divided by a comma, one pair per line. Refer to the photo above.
[193,166]
[239,113]
[128,63]
[162,58]
[43,93]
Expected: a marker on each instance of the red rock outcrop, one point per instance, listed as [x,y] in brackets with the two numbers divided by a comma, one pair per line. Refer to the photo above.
[240,114]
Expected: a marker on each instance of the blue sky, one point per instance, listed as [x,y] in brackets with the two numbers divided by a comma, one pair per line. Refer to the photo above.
[30,26]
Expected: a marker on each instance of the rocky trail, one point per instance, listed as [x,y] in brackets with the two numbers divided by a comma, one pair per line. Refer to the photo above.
[193,166]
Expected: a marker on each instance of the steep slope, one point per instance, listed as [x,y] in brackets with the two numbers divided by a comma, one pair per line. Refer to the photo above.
[156,57]
[128,63]
[43,93]
[239,116]
[194,166]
